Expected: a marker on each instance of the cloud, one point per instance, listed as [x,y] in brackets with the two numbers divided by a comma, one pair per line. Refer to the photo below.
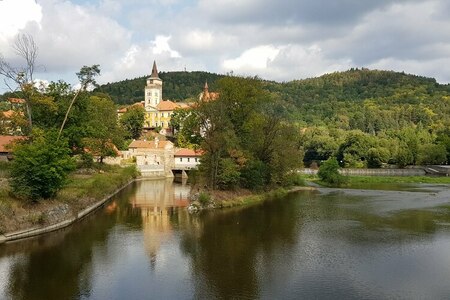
[161,45]
[14,17]
[277,40]
[256,58]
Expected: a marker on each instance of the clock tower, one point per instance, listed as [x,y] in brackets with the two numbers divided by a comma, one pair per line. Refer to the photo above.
[153,89]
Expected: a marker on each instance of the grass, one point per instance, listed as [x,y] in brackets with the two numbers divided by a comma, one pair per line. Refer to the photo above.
[399,179]
[79,192]
[386,179]
[253,199]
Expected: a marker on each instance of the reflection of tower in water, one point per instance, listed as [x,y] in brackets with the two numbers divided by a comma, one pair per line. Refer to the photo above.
[159,202]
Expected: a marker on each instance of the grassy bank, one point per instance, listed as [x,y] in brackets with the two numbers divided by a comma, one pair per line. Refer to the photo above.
[81,191]
[399,179]
[357,180]
[251,199]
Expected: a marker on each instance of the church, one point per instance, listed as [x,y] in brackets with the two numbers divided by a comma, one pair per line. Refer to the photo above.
[158,111]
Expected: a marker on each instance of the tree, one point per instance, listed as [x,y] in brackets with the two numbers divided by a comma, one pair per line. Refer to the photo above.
[243,132]
[329,172]
[40,166]
[185,124]
[22,76]
[87,78]
[103,134]
[133,121]
[431,154]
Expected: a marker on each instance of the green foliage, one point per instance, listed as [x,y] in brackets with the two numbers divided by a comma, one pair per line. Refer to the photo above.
[204,198]
[40,167]
[329,172]
[102,129]
[430,154]
[186,128]
[133,121]
[255,175]
[246,136]
[229,174]
[178,86]
[293,179]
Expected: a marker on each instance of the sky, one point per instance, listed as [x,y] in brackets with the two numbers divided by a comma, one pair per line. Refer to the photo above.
[279,40]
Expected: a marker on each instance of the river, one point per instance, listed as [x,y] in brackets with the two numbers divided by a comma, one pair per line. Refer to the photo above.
[325,244]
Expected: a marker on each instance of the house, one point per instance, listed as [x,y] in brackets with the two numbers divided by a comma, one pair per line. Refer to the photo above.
[16,103]
[123,110]
[206,95]
[187,159]
[153,158]
[6,141]
[9,121]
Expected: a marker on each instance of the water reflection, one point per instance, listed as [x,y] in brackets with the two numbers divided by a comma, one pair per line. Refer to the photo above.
[328,244]
[159,202]
[228,248]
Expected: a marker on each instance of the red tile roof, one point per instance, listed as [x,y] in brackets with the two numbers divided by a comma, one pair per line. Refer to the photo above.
[167,105]
[149,144]
[184,152]
[8,114]
[16,100]
[6,140]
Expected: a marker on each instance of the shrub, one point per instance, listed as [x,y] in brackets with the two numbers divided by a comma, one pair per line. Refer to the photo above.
[329,172]
[40,167]
[204,198]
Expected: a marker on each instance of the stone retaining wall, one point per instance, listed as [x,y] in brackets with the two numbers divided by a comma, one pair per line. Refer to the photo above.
[372,172]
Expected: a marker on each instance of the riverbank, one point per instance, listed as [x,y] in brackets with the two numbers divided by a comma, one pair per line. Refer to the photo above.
[356,181]
[241,197]
[84,192]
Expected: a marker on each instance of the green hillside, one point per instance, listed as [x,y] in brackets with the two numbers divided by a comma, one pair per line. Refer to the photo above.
[177,86]
[368,100]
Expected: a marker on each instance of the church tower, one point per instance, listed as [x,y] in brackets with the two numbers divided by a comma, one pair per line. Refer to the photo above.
[153,89]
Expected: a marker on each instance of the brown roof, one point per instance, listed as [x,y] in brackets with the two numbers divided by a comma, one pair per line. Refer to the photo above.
[149,144]
[7,140]
[154,71]
[209,96]
[16,100]
[188,152]
[8,114]
[167,105]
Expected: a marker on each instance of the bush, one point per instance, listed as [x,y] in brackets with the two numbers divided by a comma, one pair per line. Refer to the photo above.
[40,167]
[293,179]
[204,198]
[329,172]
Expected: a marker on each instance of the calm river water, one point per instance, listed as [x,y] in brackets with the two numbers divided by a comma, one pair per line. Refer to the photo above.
[326,244]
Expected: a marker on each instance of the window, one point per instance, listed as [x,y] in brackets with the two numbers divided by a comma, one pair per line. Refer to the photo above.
[189,159]
[196,159]
[181,159]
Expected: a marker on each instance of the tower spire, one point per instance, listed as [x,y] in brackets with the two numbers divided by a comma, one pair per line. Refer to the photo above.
[205,88]
[154,71]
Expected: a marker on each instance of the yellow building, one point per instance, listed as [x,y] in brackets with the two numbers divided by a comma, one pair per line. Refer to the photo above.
[157,111]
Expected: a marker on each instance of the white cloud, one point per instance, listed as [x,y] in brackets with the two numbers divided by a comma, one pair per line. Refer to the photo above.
[161,45]
[15,14]
[252,59]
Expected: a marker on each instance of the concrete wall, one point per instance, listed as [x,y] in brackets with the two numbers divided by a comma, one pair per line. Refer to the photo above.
[373,172]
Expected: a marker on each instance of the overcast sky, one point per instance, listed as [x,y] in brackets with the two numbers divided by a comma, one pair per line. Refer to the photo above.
[278,40]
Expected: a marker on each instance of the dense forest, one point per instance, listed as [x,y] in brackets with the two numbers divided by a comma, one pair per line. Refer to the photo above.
[178,86]
[364,118]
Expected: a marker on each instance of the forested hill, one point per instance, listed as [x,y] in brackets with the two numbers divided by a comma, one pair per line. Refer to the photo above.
[177,86]
[369,100]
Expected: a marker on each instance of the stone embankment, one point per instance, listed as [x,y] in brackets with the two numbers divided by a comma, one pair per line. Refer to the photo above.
[55,214]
